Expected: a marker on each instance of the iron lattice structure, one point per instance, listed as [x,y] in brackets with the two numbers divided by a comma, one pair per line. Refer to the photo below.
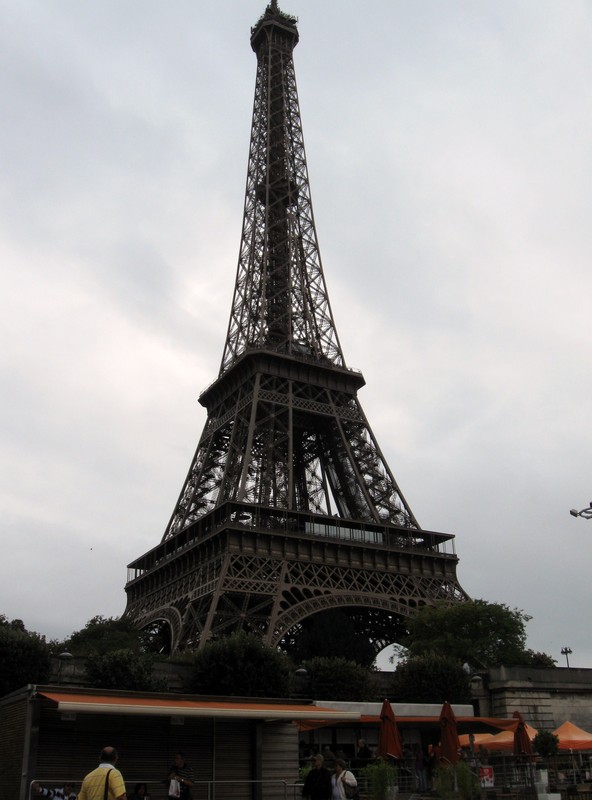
[289,507]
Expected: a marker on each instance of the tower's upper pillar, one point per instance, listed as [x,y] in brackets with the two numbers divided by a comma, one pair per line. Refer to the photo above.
[274,24]
[280,301]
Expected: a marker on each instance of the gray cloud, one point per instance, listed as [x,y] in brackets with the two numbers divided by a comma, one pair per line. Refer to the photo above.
[449,158]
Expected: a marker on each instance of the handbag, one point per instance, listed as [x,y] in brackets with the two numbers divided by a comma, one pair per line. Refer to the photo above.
[351,792]
[174,788]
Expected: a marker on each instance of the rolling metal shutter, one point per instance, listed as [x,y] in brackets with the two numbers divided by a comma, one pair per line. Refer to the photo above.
[69,748]
[13,721]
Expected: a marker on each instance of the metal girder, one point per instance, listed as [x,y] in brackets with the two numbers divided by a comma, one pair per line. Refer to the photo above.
[289,507]
[276,584]
[289,444]
[280,297]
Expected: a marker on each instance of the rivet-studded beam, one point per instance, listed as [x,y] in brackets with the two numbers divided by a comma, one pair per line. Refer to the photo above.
[289,507]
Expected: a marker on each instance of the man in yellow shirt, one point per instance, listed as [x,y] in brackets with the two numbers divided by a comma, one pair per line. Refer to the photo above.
[105,776]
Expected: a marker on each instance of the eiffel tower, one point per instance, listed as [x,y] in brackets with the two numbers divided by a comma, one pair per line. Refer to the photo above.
[289,509]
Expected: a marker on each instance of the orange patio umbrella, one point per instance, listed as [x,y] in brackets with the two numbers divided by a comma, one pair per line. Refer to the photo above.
[448,735]
[389,738]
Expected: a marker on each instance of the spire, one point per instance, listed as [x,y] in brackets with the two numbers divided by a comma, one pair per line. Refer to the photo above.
[273,14]
[280,301]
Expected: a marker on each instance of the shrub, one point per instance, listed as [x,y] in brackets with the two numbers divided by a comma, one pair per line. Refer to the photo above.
[459,779]
[430,678]
[546,743]
[241,665]
[466,781]
[339,679]
[122,669]
[381,777]
[444,781]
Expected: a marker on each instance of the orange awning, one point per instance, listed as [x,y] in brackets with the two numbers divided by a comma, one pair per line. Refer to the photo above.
[468,724]
[503,741]
[477,725]
[573,738]
[113,703]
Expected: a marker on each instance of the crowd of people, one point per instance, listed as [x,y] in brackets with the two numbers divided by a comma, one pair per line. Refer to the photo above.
[106,782]
[419,762]
[322,784]
[363,757]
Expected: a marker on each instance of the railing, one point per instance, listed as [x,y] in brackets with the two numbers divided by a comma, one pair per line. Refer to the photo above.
[202,790]
[512,779]
[300,523]
[280,789]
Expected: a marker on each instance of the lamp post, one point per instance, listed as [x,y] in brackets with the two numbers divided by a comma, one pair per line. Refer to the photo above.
[63,658]
[566,651]
[478,695]
[301,684]
[586,513]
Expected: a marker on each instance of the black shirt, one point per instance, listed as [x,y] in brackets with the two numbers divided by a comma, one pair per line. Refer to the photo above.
[317,784]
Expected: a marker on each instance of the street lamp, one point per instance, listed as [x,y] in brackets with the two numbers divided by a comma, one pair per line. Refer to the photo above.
[63,658]
[301,683]
[566,651]
[585,512]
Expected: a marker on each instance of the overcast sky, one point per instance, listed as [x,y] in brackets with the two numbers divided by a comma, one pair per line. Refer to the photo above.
[449,147]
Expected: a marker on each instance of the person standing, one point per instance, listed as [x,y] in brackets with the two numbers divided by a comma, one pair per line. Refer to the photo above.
[343,782]
[364,754]
[419,762]
[65,792]
[328,758]
[317,784]
[104,777]
[182,772]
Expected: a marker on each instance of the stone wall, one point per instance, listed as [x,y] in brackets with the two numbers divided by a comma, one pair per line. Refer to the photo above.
[545,697]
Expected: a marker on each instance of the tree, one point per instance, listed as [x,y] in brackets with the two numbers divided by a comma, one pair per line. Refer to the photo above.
[431,678]
[534,658]
[122,669]
[240,665]
[104,635]
[24,657]
[477,633]
[546,744]
[339,679]
[15,624]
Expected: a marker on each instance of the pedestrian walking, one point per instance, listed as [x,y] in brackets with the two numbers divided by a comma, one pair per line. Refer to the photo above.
[105,782]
